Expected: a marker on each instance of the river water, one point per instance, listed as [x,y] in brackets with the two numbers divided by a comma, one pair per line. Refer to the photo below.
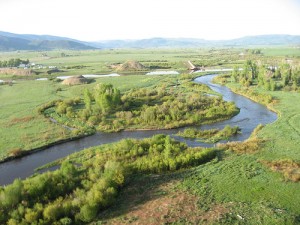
[251,114]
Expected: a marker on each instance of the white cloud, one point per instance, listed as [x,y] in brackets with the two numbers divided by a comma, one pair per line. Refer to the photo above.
[132,19]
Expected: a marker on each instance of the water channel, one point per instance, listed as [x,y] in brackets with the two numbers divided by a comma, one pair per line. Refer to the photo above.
[251,114]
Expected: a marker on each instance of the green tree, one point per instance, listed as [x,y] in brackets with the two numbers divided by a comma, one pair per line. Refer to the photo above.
[87,98]
[88,212]
[12,194]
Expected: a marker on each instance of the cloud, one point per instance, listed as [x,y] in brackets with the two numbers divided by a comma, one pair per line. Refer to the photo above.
[132,19]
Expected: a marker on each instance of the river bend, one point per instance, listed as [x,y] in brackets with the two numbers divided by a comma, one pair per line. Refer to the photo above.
[251,114]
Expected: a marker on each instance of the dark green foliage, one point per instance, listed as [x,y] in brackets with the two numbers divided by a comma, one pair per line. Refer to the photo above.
[76,194]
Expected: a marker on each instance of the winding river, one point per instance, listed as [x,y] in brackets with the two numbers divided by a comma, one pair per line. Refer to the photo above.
[251,114]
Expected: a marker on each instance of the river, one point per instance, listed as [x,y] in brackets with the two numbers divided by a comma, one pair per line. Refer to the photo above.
[251,114]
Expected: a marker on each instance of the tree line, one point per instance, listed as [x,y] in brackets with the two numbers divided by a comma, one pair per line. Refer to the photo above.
[13,62]
[271,78]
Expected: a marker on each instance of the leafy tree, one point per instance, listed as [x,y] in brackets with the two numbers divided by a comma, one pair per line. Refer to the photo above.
[12,194]
[87,97]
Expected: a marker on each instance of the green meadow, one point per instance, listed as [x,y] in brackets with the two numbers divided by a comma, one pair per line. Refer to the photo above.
[23,128]
[156,183]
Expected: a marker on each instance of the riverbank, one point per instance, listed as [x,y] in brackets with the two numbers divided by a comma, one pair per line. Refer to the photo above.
[38,149]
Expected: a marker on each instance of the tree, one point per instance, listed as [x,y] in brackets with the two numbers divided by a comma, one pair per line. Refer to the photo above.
[235,74]
[68,169]
[88,212]
[107,97]
[12,194]
[87,98]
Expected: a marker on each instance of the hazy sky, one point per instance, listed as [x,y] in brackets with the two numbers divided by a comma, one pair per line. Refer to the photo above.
[134,19]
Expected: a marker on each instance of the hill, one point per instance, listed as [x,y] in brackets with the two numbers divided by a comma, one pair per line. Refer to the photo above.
[276,39]
[13,42]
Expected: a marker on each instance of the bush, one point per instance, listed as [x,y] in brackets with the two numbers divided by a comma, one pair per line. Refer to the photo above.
[15,152]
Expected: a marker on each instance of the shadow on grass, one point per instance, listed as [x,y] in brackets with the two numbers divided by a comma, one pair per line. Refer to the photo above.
[138,191]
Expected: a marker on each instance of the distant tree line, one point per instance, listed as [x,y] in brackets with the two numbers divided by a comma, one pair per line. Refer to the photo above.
[271,78]
[13,62]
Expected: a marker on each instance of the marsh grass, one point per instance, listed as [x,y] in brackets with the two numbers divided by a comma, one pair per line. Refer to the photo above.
[289,168]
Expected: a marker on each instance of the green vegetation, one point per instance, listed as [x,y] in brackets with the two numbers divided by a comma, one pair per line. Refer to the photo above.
[76,194]
[163,107]
[271,78]
[156,180]
[13,62]
[212,135]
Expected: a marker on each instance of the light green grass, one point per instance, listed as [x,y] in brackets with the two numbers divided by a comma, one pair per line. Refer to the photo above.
[281,51]
[98,61]
[20,124]
[258,194]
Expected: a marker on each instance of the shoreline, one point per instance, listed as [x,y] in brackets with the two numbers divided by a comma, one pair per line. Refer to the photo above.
[41,148]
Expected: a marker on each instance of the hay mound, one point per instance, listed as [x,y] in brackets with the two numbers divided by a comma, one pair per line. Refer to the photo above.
[76,80]
[131,66]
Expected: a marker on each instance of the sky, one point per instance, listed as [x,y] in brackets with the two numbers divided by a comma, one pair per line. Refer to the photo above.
[93,20]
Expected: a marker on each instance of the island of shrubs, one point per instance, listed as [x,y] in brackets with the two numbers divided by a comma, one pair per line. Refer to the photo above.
[104,108]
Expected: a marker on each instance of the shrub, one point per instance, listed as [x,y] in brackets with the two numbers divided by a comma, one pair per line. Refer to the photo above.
[15,152]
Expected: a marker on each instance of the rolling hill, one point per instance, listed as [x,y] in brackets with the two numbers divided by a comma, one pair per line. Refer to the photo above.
[190,42]
[12,42]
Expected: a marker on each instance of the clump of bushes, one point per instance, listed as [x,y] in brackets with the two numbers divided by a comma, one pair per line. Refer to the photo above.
[251,145]
[77,192]
[15,152]
[289,168]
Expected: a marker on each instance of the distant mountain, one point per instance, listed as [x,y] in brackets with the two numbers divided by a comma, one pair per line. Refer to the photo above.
[275,39]
[12,42]
[189,42]
[153,43]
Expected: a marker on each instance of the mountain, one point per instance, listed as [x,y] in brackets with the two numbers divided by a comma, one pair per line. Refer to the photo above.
[189,42]
[12,42]
[275,39]
[152,43]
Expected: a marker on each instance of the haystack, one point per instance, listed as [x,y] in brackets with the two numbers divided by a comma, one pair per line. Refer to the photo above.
[131,66]
[75,80]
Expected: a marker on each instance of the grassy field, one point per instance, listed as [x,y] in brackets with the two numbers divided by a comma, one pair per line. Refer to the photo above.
[99,61]
[234,188]
[282,51]
[21,126]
